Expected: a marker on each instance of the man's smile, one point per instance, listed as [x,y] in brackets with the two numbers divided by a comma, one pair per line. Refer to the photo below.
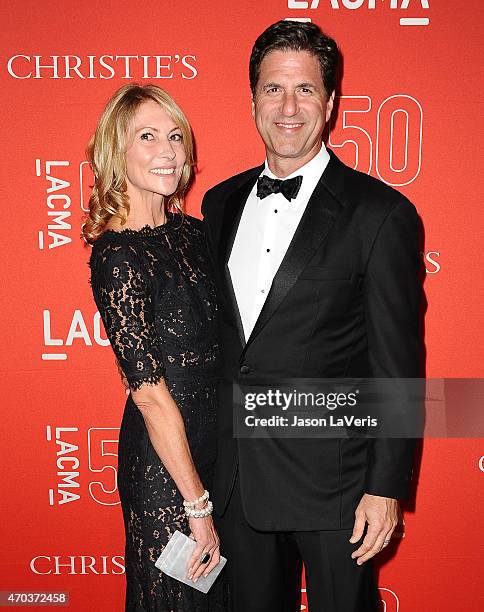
[288,126]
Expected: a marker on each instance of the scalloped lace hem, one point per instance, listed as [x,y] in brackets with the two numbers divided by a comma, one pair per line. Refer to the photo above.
[154,379]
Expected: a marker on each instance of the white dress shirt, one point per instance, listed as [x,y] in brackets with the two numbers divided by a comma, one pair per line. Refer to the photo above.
[265,231]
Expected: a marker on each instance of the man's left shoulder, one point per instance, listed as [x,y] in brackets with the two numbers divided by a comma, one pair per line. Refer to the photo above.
[372,194]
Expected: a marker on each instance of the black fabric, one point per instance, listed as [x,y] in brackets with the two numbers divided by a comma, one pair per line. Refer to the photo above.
[154,291]
[345,302]
[288,187]
[334,581]
[264,568]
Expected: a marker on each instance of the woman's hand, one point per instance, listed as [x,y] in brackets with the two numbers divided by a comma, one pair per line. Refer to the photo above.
[166,430]
[203,532]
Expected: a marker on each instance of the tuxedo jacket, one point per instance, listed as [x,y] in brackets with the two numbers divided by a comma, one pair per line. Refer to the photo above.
[345,302]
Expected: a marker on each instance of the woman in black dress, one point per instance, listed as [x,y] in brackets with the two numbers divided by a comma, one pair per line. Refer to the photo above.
[151,281]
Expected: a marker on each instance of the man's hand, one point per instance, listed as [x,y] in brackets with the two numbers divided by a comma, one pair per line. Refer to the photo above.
[381,514]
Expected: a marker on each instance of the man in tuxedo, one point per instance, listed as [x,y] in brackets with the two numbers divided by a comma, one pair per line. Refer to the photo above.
[318,274]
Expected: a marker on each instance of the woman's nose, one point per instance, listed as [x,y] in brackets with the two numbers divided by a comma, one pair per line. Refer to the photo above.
[166,150]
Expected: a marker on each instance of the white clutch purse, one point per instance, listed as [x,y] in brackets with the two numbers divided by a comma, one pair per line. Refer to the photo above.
[174,559]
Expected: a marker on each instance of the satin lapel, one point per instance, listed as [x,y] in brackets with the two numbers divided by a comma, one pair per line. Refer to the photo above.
[233,209]
[320,214]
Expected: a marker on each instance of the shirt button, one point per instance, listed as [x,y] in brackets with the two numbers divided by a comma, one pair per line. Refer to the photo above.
[275,210]
[244,369]
[262,290]
[268,250]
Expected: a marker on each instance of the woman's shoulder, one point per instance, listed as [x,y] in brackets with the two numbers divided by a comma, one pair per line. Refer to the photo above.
[113,248]
[193,221]
[181,219]
[111,241]
[187,224]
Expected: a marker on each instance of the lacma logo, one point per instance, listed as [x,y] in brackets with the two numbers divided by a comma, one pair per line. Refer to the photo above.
[389,600]
[414,6]
[78,330]
[100,472]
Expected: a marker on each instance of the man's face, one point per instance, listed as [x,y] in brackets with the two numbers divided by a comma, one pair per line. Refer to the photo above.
[290,108]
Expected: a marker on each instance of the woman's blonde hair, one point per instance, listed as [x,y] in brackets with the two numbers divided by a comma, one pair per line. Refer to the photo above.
[106,154]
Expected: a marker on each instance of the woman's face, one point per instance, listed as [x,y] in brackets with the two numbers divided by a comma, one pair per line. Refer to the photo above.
[156,154]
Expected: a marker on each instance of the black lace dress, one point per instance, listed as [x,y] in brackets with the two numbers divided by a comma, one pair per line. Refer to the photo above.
[154,292]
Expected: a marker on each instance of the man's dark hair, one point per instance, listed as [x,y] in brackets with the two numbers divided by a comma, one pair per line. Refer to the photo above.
[296,36]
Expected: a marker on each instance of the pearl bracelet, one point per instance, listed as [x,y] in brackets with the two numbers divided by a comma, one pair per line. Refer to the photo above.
[192,504]
[192,513]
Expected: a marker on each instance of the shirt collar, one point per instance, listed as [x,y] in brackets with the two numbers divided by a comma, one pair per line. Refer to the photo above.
[311,173]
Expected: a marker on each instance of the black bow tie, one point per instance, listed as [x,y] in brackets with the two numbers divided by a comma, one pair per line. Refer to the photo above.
[289,188]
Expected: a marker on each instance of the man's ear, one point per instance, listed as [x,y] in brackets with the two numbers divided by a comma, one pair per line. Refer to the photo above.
[253,107]
[329,106]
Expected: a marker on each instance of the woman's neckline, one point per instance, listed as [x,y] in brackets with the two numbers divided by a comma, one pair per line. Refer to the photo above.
[146,230]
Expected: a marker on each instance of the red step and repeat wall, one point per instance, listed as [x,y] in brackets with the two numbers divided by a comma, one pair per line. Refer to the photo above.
[409,111]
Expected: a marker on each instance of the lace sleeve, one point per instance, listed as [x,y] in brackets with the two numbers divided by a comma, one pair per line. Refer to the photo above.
[123,293]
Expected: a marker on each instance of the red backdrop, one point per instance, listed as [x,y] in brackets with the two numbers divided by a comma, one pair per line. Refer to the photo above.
[409,113]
